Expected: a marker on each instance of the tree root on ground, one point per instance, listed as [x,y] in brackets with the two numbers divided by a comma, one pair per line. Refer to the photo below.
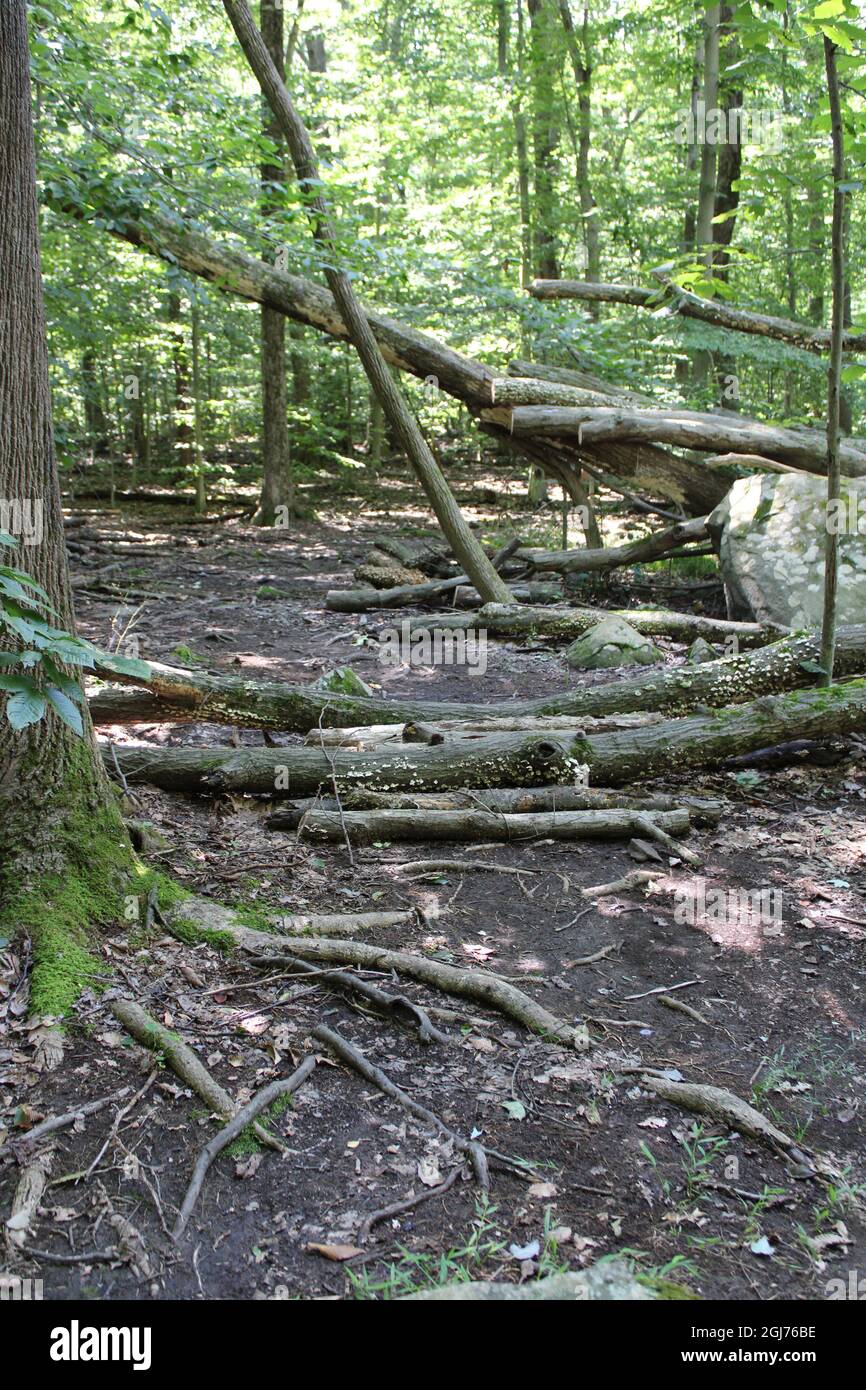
[483,987]
[263,1098]
[355,1059]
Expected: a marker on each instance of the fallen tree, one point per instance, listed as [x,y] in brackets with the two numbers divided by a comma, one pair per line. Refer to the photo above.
[172,694]
[651,547]
[693,306]
[611,759]
[365,827]
[594,424]
[234,271]
[511,800]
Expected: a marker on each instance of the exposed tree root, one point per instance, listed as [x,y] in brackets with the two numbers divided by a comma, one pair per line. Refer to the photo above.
[350,1054]
[396,1006]
[183,1061]
[408,1204]
[727,1109]
[483,987]
[260,1101]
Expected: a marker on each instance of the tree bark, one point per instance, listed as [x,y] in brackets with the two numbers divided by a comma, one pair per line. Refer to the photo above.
[835,452]
[175,695]
[545,139]
[512,800]
[501,760]
[64,853]
[464,544]
[692,306]
[650,547]
[277,490]
[581,62]
[365,827]
[707,187]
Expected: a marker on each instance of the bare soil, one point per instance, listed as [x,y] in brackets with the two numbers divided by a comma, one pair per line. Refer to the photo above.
[611,1168]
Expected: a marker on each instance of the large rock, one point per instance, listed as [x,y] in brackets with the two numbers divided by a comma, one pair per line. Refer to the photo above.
[770,532]
[612,642]
[609,1280]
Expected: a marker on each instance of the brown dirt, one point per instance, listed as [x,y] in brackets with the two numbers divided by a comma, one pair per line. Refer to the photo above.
[613,1168]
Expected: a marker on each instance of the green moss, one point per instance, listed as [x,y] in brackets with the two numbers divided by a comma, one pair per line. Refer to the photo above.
[98,879]
[668,1289]
[192,934]
[251,915]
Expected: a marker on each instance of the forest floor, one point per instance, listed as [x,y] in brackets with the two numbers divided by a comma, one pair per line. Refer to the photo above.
[613,1168]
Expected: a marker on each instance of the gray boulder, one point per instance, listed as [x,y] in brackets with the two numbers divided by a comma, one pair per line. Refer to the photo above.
[612,642]
[770,532]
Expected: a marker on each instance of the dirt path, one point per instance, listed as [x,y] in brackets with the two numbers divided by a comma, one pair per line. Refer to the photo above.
[780,1004]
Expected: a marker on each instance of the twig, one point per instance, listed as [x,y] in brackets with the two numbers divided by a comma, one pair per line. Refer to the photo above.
[248,1112]
[119,1117]
[69,1117]
[634,879]
[89,1257]
[397,1208]
[355,1059]
[662,989]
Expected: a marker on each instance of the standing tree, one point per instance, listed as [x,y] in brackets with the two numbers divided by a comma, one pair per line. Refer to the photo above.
[403,423]
[834,370]
[276,456]
[65,858]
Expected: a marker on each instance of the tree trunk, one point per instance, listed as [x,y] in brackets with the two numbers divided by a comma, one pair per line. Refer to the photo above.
[464,544]
[707,188]
[502,760]
[366,827]
[834,371]
[545,139]
[64,854]
[276,456]
[171,694]
[512,800]
[581,63]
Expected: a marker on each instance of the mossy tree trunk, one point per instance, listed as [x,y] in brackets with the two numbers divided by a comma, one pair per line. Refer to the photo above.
[64,853]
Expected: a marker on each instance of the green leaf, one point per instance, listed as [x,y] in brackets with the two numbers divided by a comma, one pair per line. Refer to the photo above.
[65,709]
[125,666]
[27,707]
[6,539]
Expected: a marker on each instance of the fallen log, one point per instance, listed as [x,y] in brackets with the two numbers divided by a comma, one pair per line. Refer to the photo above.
[498,759]
[505,619]
[453,730]
[360,600]
[236,272]
[365,827]
[693,306]
[174,694]
[514,800]
[611,759]
[647,548]
[683,428]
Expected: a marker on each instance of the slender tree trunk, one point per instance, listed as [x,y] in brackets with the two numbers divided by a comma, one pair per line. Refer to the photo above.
[276,455]
[63,849]
[465,545]
[834,370]
[707,187]
[727,197]
[545,139]
[581,62]
[198,442]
